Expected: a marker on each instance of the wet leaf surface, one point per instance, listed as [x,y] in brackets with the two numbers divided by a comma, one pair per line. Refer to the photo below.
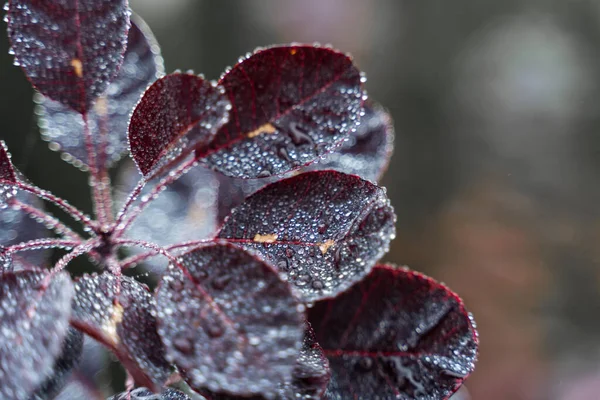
[108,119]
[324,229]
[229,322]
[291,105]
[117,311]
[145,394]
[397,334]
[176,113]
[34,326]
[7,176]
[69,358]
[71,49]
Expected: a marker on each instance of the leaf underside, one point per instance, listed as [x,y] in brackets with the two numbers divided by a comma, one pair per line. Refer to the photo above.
[290,105]
[34,326]
[229,322]
[71,49]
[109,117]
[324,229]
[419,344]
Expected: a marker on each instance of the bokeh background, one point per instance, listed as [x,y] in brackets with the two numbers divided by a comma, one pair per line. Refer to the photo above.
[496,173]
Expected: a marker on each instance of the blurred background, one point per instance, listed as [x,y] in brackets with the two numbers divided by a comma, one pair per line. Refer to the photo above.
[496,172]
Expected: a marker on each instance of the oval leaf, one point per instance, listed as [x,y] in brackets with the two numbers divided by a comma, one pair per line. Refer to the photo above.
[7,176]
[176,113]
[117,311]
[70,50]
[146,394]
[69,357]
[229,322]
[291,105]
[324,229]
[64,128]
[34,326]
[397,334]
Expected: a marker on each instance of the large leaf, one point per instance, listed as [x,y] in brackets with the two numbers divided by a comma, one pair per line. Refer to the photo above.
[7,176]
[324,229]
[395,335]
[229,322]
[176,113]
[291,105]
[35,320]
[69,357]
[69,49]
[64,127]
[146,394]
[117,311]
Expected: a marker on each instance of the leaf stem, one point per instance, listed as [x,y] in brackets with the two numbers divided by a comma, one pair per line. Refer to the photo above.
[38,244]
[96,183]
[45,218]
[138,258]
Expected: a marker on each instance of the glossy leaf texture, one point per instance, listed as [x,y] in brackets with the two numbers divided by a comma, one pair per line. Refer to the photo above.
[117,311]
[290,105]
[397,334]
[175,114]
[68,359]
[8,176]
[69,49]
[229,322]
[324,229]
[108,119]
[35,322]
[309,379]
[146,394]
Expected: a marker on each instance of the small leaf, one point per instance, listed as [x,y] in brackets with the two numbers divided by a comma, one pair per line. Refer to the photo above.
[64,127]
[69,358]
[146,394]
[176,113]
[35,321]
[229,322]
[69,50]
[324,229]
[397,334]
[291,105]
[8,176]
[117,311]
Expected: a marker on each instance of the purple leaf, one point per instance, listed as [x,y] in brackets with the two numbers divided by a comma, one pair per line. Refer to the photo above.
[309,378]
[69,49]
[146,394]
[117,311]
[397,334]
[229,322]
[8,176]
[291,105]
[324,229]
[64,128]
[35,320]
[175,114]
[69,358]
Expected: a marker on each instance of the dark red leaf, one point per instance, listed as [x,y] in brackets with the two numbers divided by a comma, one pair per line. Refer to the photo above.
[69,357]
[35,321]
[309,378]
[145,394]
[229,322]
[109,117]
[291,105]
[7,176]
[69,49]
[324,229]
[117,311]
[176,113]
[395,335]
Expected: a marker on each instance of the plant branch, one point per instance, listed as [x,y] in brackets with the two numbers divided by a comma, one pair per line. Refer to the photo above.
[96,184]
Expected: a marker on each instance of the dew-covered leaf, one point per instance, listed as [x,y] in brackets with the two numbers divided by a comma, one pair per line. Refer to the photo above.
[175,114]
[68,359]
[117,311]
[290,105]
[35,322]
[108,119]
[146,394]
[69,49]
[229,322]
[7,176]
[324,229]
[395,335]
